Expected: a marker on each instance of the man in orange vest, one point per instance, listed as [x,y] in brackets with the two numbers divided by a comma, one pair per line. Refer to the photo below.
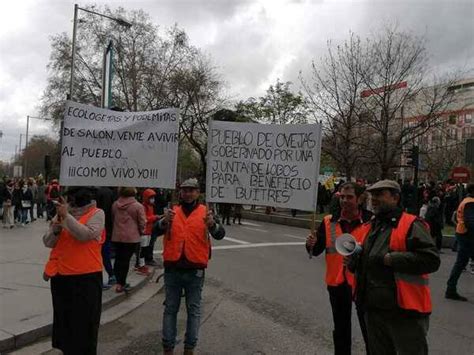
[186,252]
[391,275]
[74,268]
[348,220]
[465,239]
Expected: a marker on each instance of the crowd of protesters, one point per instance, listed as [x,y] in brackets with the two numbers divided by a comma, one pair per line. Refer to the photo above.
[97,225]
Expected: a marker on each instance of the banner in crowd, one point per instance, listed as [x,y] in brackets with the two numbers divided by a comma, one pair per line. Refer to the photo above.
[262,164]
[101,147]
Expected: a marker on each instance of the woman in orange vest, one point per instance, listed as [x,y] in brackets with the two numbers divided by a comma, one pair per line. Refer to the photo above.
[74,268]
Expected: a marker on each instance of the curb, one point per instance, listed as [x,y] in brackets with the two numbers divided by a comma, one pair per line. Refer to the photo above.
[9,342]
[448,240]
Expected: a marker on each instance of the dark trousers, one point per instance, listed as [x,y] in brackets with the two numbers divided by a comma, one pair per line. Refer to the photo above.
[394,333]
[147,252]
[437,236]
[106,259]
[32,218]
[341,304]
[465,251]
[40,207]
[77,305]
[123,254]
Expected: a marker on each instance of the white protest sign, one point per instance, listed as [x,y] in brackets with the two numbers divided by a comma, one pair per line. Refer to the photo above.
[101,147]
[260,164]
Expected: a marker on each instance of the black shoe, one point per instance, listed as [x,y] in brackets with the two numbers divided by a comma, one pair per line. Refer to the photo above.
[455,296]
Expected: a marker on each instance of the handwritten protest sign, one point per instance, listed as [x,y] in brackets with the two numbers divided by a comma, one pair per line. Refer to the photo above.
[259,164]
[108,148]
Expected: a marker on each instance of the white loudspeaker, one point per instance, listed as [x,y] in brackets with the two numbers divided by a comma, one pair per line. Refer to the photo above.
[347,245]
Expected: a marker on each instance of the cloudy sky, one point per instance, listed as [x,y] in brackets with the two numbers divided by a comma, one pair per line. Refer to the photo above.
[252,42]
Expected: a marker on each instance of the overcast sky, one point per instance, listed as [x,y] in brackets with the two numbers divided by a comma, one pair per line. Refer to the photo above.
[252,42]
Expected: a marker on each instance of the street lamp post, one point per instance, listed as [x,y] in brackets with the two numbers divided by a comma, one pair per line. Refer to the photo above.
[120,21]
[26,137]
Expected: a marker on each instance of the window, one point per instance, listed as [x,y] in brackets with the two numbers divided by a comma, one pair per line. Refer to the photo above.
[468,118]
[452,119]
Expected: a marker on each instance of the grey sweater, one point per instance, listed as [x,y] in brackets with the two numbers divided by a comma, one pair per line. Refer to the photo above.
[82,232]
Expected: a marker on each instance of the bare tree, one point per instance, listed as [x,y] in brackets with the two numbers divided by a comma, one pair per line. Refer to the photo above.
[401,101]
[376,97]
[333,92]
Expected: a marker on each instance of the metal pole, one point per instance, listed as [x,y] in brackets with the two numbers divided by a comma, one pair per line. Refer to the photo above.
[26,144]
[73,55]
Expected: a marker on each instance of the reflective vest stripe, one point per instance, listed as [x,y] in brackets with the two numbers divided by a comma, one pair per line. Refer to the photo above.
[332,235]
[413,279]
[413,292]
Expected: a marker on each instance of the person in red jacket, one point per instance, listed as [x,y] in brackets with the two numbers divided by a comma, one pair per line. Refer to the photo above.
[148,201]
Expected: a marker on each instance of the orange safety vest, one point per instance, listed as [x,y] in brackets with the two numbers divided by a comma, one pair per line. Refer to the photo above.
[413,292]
[336,273]
[461,226]
[188,234]
[73,257]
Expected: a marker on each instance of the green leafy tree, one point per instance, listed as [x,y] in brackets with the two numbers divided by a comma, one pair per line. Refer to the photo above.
[279,105]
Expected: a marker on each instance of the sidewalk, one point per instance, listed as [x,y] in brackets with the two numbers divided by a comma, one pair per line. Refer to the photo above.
[25,299]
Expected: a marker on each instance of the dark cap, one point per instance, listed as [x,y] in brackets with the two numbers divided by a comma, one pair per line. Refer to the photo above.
[385,184]
[190,183]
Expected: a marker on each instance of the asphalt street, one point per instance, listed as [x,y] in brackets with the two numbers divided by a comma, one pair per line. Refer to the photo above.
[263,295]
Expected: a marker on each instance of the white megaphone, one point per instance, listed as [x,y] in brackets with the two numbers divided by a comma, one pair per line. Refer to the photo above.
[347,245]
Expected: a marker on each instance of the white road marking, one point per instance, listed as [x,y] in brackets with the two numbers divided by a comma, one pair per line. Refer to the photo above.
[238,241]
[256,229]
[251,224]
[294,236]
[246,246]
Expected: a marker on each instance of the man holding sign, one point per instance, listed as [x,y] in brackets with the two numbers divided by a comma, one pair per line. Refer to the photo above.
[186,252]
[349,219]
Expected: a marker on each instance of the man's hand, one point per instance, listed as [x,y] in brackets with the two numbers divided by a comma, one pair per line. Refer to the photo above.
[61,209]
[346,260]
[169,216]
[387,259]
[209,220]
[311,241]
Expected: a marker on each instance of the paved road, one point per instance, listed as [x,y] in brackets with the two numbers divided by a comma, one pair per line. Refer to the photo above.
[264,296]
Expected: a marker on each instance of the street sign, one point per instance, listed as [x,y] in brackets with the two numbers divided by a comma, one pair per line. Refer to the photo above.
[461,174]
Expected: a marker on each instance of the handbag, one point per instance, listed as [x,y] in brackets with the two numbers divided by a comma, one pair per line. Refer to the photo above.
[25,203]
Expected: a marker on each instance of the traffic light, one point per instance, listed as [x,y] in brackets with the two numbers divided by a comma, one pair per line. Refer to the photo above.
[413,157]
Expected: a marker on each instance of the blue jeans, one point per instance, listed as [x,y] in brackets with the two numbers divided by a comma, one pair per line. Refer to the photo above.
[191,281]
[24,215]
[465,251]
